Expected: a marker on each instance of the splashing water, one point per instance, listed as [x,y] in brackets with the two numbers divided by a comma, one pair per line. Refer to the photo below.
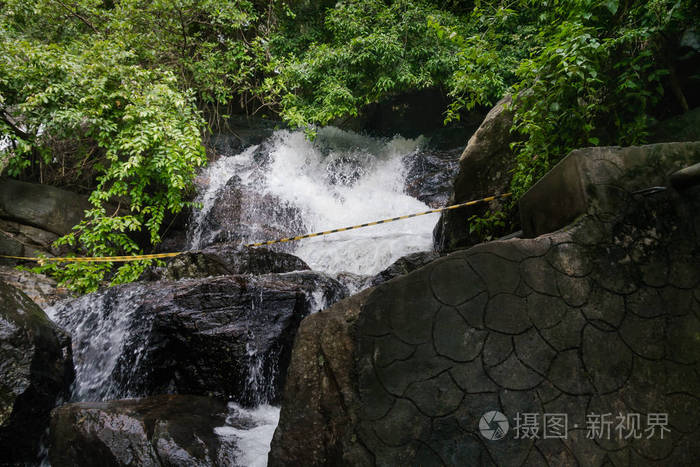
[252,440]
[340,179]
[100,332]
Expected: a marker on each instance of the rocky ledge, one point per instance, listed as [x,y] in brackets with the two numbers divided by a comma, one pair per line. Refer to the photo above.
[228,336]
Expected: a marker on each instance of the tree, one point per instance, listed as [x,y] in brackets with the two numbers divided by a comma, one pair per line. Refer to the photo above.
[141,133]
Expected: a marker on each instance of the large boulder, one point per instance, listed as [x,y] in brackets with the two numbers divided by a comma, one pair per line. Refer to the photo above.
[226,259]
[166,430]
[241,214]
[579,183]
[227,336]
[484,169]
[36,370]
[319,398]
[45,207]
[598,319]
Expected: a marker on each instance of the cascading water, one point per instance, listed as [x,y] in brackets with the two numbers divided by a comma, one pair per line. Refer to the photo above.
[100,334]
[340,179]
[283,186]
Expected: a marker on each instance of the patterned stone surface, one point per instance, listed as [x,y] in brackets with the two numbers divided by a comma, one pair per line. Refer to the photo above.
[602,317]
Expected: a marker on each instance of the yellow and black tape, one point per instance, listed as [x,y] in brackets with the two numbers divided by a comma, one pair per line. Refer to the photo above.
[383,221]
[105,259]
[94,259]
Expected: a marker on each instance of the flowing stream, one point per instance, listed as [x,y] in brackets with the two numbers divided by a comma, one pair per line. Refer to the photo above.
[287,185]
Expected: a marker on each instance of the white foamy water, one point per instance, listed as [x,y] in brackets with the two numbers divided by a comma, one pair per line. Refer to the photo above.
[99,333]
[251,431]
[338,180]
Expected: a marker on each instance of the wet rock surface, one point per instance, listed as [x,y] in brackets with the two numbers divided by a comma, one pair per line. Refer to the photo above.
[166,430]
[316,419]
[228,336]
[226,259]
[601,317]
[36,370]
[484,169]
[242,214]
[431,174]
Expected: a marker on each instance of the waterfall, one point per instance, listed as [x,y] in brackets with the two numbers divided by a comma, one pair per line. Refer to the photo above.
[286,185]
[339,179]
[101,337]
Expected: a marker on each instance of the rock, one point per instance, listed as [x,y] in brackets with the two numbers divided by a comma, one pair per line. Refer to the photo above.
[354,282]
[24,240]
[165,430]
[320,389]
[36,370]
[227,259]
[228,336]
[265,216]
[430,175]
[599,179]
[684,127]
[41,206]
[405,265]
[484,170]
[43,290]
[600,316]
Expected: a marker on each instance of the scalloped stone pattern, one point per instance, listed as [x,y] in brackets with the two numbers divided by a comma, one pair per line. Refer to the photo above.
[602,316]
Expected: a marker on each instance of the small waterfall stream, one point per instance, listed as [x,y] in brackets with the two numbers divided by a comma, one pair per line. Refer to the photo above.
[283,186]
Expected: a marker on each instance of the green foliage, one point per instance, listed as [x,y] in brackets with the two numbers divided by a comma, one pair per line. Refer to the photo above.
[491,45]
[582,72]
[359,52]
[486,226]
[592,79]
[212,46]
[143,131]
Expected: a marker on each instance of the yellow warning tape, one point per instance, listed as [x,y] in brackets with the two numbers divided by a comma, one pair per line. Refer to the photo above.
[104,259]
[96,259]
[383,221]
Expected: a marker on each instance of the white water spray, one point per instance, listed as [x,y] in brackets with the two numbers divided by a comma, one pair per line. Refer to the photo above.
[100,333]
[338,180]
